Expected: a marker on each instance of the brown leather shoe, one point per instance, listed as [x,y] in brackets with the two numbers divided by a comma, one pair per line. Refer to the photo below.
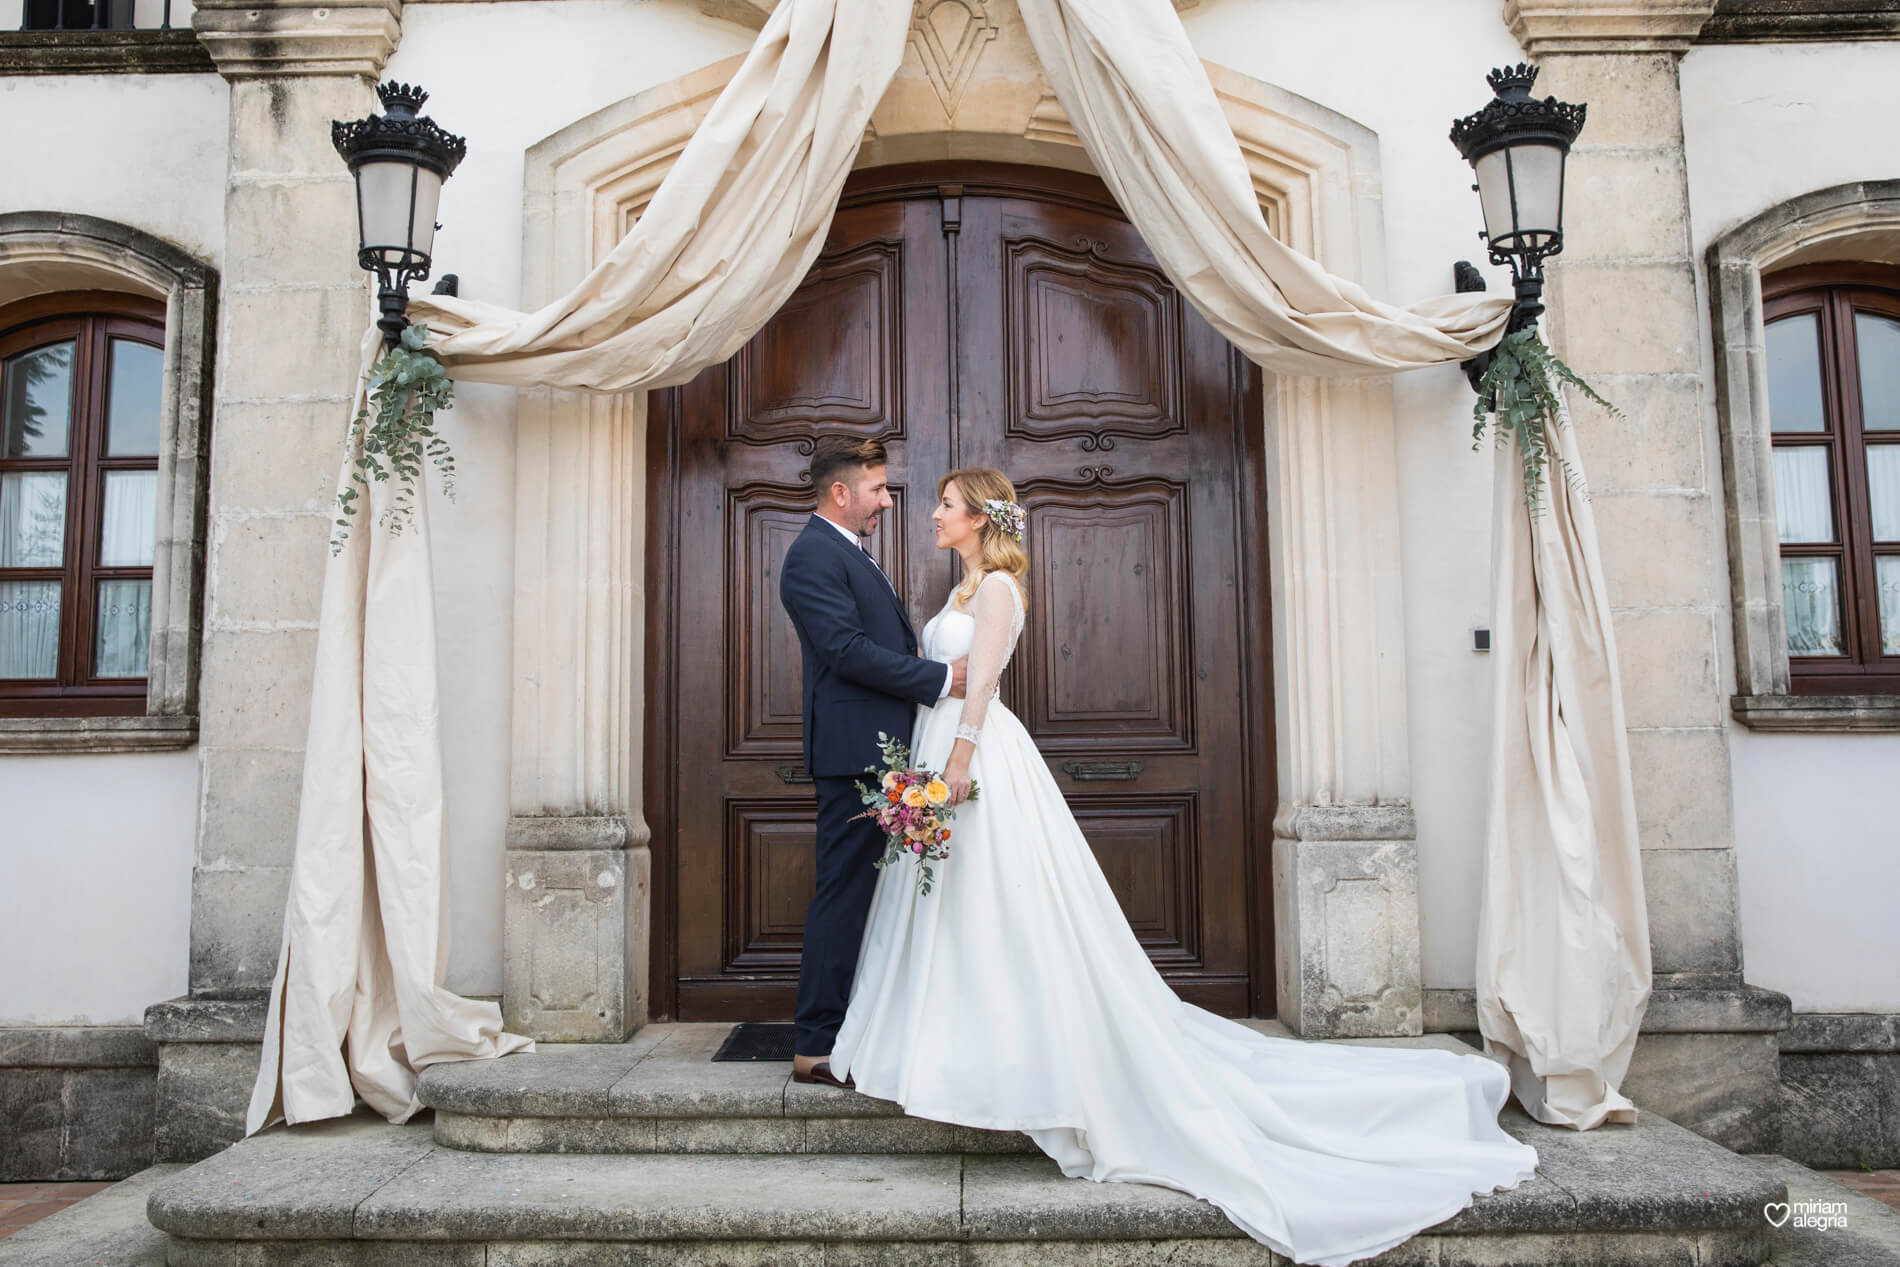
[821,1072]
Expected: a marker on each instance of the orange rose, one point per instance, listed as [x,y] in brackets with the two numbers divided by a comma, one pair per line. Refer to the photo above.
[915,797]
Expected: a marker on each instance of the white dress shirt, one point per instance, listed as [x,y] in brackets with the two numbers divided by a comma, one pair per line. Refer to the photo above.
[857,543]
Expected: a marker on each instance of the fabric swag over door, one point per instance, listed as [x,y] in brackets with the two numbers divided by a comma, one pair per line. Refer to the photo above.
[733,228]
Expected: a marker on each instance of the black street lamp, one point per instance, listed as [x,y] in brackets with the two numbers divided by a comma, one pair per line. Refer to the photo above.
[1517,146]
[400,162]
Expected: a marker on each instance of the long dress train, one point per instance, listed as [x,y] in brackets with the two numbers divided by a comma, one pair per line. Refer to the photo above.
[1015,996]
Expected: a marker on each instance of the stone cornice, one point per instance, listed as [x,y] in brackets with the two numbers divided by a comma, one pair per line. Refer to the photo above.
[1606,26]
[257,38]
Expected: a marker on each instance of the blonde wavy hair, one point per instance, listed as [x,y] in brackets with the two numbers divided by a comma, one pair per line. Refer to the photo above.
[1000,551]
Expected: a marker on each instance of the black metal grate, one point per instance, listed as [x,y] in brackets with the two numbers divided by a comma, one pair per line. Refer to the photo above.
[758,1040]
[93,15]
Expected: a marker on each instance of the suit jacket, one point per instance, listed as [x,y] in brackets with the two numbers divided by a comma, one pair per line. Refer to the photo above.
[862,672]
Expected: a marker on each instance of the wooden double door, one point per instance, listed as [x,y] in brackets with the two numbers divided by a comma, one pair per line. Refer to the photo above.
[974,316]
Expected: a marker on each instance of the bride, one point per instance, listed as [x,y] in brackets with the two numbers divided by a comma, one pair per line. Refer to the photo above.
[1015,997]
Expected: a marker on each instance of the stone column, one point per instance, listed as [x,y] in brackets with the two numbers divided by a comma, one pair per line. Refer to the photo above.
[1623,311]
[1345,849]
[292,312]
[577,911]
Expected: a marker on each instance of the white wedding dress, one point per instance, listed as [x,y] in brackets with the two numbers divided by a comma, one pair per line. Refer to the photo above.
[1015,997]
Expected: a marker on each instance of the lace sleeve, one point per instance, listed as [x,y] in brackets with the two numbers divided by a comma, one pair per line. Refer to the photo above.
[997,608]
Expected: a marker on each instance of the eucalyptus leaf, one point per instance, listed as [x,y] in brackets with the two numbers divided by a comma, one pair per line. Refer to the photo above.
[1518,397]
[406,388]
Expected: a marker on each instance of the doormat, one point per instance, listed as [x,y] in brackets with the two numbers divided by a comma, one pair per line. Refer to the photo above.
[758,1040]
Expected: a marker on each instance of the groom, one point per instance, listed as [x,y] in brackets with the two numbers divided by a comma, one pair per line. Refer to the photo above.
[862,676]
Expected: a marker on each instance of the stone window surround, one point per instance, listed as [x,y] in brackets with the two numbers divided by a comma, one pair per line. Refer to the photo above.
[1855,221]
[47,252]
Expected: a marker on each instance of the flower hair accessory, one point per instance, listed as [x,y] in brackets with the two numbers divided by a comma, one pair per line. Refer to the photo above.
[1005,515]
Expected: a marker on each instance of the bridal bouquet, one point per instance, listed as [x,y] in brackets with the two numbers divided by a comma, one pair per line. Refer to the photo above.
[912,807]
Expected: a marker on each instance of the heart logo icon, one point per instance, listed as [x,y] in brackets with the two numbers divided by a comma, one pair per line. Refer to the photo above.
[1777,1212]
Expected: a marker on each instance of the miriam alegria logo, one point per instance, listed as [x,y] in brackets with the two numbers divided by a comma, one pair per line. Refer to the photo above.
[1806,1214]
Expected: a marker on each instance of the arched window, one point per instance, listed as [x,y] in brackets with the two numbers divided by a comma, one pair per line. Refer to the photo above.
[1832,335]
[81,397]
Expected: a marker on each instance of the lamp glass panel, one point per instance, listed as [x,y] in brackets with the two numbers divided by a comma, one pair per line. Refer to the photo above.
[1494,193]
[1811,605]
[393,226]
[1539,173]
[1794,374]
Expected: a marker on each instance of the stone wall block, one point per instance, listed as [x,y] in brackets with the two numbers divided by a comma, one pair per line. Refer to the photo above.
[248,810]
[279,455]
[204,1090]
[575,928]
[1626,203]
[293,342]
[1633,99]
[269,568]
[1625,317]
[297,232]
[256,687]
[1694,926]
[1658,549]
[109,1131]
[1678,774]
[237,926]
[1669,666]
[1838,1109]
[32,1122]
[1723,1087]
[271,123]
[1657,445]
[1346,924]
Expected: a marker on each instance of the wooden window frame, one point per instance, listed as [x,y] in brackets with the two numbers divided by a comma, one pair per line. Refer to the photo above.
[1834,293]
[92,319]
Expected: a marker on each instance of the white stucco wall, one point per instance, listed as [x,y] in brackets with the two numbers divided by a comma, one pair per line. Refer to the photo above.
[1406,71]
[144,150]
[506,76]
[1817,843]
[96,907]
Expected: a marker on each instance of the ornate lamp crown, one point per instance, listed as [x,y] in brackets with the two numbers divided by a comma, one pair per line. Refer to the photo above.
[399,135]
[1514,117]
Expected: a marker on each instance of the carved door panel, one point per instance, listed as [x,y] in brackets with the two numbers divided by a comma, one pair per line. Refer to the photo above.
[1114,408]
[974,325]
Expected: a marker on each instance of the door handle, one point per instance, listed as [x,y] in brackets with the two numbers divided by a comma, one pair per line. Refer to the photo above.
[1102,771]
[792,774]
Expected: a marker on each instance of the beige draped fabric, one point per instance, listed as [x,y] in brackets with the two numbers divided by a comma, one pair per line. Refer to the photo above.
[1142,104]
[734,227]
[366,924]
[357,1004]
[1563,933]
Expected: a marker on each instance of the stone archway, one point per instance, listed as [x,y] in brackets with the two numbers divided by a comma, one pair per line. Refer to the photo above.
[577,912]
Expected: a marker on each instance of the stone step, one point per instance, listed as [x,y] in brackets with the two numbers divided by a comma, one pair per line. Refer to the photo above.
[661,1092]
[361,1191]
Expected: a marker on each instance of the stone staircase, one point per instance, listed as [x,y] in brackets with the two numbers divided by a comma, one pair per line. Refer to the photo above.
[647,1152]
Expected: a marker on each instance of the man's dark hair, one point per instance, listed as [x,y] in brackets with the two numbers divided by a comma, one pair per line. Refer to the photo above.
[835,453]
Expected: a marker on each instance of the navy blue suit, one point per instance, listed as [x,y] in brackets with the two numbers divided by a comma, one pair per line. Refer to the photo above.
[862,676]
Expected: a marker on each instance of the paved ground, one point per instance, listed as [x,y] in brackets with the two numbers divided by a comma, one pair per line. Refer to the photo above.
[24,1204]
[1881,1185]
